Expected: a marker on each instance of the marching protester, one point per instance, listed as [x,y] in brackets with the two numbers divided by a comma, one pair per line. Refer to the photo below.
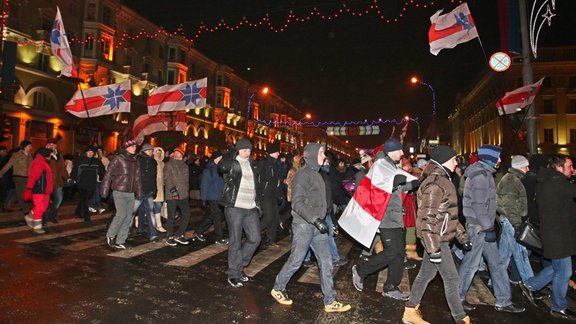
[145,204]
[39,187]
[309,229]
[86,171]
[270,193]
[20,164]
[176,192]
[60,176]
[159,198]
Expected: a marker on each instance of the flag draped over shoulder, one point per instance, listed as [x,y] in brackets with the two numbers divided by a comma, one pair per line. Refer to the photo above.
[366,209]
[515,100]
[451,29]
[182,96]
[147,125]
[60,47]
[99,101]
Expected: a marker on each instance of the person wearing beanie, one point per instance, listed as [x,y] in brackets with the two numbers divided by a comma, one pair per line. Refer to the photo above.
[437,225]
[271,195]
[241,208]
[391,227]
[176,194]
[479,209]
[20,164]
[512,207]
[60,176]
[39,188]
[86,171]
[145,205]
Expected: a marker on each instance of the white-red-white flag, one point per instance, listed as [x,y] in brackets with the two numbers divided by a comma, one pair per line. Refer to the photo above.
[515,100]
[147,125]
[367,207]
[60,47]
[99,101]
[175,97]
[451,29]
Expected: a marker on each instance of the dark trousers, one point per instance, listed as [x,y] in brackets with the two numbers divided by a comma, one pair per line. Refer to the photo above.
[82,208]
[214,216]
[392,257]
[270,219]
[185,209]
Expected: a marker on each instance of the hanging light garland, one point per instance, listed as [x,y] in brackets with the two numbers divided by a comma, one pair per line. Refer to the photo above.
[335,123]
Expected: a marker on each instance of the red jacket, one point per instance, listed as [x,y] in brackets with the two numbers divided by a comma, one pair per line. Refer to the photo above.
[37,168]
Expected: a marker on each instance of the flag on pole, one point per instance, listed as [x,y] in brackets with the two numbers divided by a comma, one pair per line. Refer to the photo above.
[366,209]
[451,29]
[515,100]
[147,125]
[182,96]
[60,47]
[104,100]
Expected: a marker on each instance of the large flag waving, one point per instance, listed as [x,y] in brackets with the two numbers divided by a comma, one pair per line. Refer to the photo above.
[146,125]
[366,209]
[182,96]
[99,101]
[515,100]
[451,29]
[60,47]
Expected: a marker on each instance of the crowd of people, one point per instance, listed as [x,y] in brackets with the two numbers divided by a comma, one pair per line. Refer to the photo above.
[482,204]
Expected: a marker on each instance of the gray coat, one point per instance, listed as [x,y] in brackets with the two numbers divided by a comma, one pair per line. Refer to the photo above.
[308,189]
[479,200]
[394,216]
[176,176]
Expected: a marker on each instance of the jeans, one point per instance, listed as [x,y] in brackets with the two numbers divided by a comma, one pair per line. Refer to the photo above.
[96,200]
[471,261]
[558,272]
[214,216]
[239,255]
[304,237]
[54,205]
[145,208]
[450,278]
[270,219]
[392,257]
[120,226]
[509,247]
[185,209]
[331,241]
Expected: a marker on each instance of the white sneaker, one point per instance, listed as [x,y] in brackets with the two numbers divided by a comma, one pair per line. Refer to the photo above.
[101,210]
[92,210]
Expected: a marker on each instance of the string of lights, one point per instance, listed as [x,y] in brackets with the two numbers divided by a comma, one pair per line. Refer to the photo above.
[265,22]
[335,123]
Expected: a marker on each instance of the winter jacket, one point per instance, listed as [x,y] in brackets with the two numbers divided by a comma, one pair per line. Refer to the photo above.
[328,183]
[479,198]
[159,175]
[20,162]
[268,179]
[176,180]
[86,171]
[437,216]
[555,197]
[59,172]
[232,172]
[195,176]
[296,164]
[212,183]
[123,175]
[40,176]
[308,189]
[148,170]
[511,198]
[394,215]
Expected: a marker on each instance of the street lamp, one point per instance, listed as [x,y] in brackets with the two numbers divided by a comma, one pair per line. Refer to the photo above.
[307,116]
[414,80]
[264,91]
[408,119]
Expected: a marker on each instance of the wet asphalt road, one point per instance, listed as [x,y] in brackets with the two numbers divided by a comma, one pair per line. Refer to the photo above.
[69,275]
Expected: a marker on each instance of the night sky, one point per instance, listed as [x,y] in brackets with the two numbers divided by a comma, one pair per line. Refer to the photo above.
[352,68]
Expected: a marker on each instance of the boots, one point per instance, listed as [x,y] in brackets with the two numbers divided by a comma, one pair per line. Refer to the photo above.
[413,315]
[465,320]
[29,220]
[159,227]
[37,227]
[411,252]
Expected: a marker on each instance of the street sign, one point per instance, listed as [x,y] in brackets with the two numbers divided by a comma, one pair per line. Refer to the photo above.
[500,62]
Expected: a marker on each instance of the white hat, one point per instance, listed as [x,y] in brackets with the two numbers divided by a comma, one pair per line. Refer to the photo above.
[519,161]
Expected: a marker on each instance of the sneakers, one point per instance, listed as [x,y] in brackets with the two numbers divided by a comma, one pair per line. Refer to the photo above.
[29,220]
[396,294]
[336,307]
[235,282]
[409,265]
[110,242]
[528,294]
[222,241]
[308,263]
[467,306]
[171,241]
[92,210]
[566,314]
[542,294]
[412,315]
[101,210]
[244,277]
[199,237]
[154,239]
[510,309]
[341,262]
[281,297]
[120,246]
[356,279]
[181,239]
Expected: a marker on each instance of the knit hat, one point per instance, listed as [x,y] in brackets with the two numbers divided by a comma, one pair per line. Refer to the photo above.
[91,149]
[392,145]
[129,143]
[519,161]
[242,144]
[421,163]
[45,152]
[489,154]
[178,150]
[25,143]
[273,148]
[442,153]
[147,147]
[216,155]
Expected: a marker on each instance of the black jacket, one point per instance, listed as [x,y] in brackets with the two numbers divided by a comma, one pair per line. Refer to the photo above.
[86,171]
[268,179]
[148,169]
[232,172]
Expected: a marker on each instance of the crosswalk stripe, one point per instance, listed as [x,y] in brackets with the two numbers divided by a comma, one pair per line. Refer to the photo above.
[67,221]
[404,284]
[312,275]
[79,246]
[47,237]
[479,293]
[198,256]
[266,257]
[144,248]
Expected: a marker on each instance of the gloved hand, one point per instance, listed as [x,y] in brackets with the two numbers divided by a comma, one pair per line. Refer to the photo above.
[399,179]
[415,184]
[467,246]
[490,235]
[435,257]
[321,226]
[27,194]
[174,193]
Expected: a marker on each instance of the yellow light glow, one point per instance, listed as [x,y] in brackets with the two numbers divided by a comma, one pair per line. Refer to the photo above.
[414,80]
[27,54]
[265,90]
[137,89]
[54,64]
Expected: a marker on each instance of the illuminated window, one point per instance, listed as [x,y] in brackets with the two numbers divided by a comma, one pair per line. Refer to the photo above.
[256,112]
[107,47]
[548,135]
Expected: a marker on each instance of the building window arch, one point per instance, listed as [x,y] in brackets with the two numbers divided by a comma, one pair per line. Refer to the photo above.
[41,97]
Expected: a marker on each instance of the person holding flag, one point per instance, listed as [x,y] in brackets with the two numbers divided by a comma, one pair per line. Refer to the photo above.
[391,225]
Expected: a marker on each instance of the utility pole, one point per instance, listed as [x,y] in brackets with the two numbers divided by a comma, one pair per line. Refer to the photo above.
[528,79]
